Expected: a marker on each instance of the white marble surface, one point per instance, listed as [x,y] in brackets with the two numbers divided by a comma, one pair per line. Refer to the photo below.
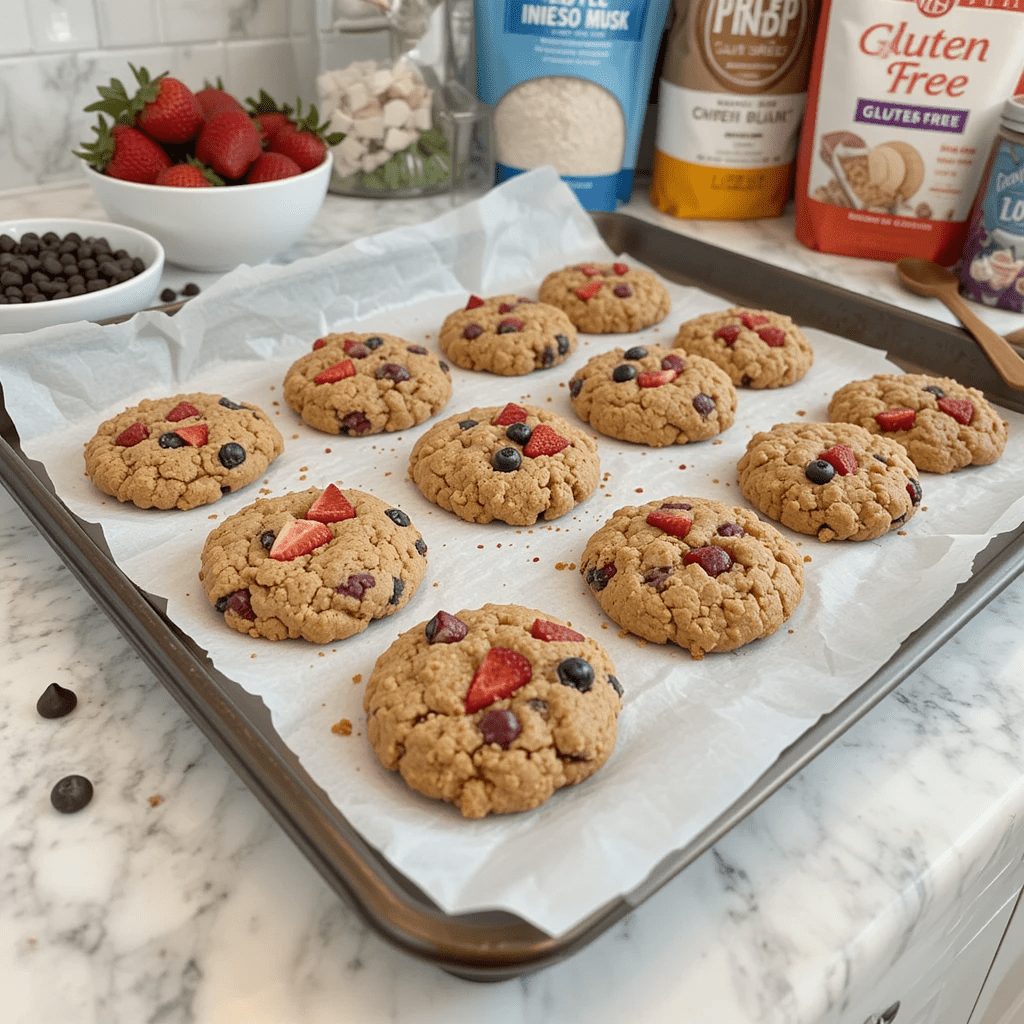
[174,897]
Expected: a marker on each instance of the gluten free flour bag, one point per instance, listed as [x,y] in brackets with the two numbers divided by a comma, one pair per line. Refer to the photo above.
[730,104]
[569,82]
[903,104]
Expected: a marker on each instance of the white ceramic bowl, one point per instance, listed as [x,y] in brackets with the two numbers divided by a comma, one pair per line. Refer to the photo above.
[127,297]
[217,228]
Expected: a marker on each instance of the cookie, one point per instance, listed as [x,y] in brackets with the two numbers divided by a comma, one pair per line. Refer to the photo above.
[943,425]
[836,481]
[513,463]
[694,572]
[607,298]
[508,335]
[318,564]
[756,347]
[182,451]
[654,396]
[492,709]
[366,384]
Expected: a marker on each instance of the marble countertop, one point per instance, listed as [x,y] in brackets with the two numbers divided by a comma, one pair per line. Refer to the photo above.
[176,898]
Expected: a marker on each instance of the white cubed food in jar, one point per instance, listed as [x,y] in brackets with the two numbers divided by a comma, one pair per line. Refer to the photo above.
[339,121]
[397,139]
[422,119]
[357,96]
[396,113]
[350,150]
[369,127]
[400,88]
[380,81]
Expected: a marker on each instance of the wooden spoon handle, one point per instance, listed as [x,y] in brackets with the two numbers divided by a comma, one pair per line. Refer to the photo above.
[1008,364]
[1015,337]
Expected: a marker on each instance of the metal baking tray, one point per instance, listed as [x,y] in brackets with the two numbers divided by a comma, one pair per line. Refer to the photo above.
[499,946]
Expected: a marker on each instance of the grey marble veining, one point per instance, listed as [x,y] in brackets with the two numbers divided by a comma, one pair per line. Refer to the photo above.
[175,898]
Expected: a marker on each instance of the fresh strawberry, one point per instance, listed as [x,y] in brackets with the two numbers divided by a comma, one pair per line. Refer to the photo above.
[331,507]
[655,378]
[271,167]
[195,434]
[545,440]
[502,673]
[182,411]
[133,435]
[305,140]
[191,174]
[677,526]
[163,107]
[268,115]
[961,409]
[512,413]
[215,98]
[588,290]
[542,629]
[896,419]
[842,459]
[121,151]
[339,371]
[713,559]
[299,537]
[474,302]
[229,142]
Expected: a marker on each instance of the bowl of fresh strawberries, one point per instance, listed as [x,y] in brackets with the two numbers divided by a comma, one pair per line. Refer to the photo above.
[218,183]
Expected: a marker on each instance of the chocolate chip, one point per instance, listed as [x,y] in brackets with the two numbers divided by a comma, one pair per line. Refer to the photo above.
[56,701]
[71,794]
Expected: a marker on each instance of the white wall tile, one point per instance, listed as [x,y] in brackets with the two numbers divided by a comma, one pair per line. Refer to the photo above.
[262,65]
[61,25]
[188,21]
[202,63]
[128,22]
[15,37]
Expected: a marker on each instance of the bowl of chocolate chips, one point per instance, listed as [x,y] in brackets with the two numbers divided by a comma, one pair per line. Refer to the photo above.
[60,271]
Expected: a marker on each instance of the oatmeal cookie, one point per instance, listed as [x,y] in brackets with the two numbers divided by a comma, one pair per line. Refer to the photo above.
[366,384]
[943,425]
[492,709]
[654,396]
[513,463]
[182,451]
[318,564]
[607,298]
[836,481]
[701,574]
[756,347]
[508,335]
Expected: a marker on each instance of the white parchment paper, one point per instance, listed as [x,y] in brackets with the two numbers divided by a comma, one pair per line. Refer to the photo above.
[693,735]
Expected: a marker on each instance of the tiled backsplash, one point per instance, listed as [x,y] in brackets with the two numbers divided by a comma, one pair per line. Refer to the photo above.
[54,54]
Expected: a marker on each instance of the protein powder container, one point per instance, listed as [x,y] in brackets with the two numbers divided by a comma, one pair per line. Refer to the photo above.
[992,265]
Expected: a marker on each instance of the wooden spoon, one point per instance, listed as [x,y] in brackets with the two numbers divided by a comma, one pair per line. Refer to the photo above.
[926,278]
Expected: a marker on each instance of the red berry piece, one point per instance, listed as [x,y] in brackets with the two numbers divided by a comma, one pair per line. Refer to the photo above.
[620,268]
[319,343]
[598,577]
[474,302]
[961,409]
[914,490]
[622,291]
[677,526]
[472,331]
[658,577]
[196,434]
[240,603]
[502,673]
[512,413]
[299,537]
[545,440]
[331,507]
[727,333]
[506,307]
[444,628]
[355,349]
[753,320]
[773,337]
[713,560]
[896,419]
[510,325]
[500,726]
[339,371]
[542,629]
[392,372]
[704,404]
[588,269]
[655,378]
[356,585]
[182,411]
[677,504]
[588,290]
[673,362]
[131,436]
[730,530]
[842,459]
[355,423]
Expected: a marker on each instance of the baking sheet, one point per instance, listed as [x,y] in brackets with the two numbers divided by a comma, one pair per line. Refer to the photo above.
[693,736]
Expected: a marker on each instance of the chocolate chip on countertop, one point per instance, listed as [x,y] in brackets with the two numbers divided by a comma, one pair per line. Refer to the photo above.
[56,701]
[71,794]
